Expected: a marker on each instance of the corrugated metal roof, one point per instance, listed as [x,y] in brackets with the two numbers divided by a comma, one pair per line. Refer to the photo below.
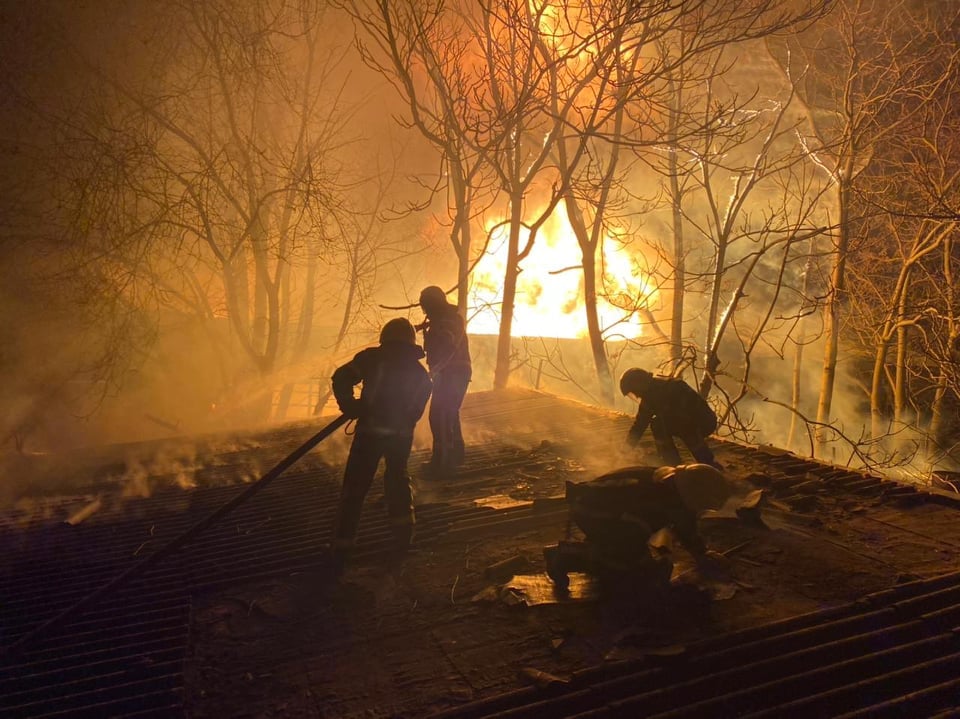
[894,653]
[890,652]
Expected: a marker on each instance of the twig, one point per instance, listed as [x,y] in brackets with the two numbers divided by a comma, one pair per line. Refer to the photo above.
[726,553]
[736,548]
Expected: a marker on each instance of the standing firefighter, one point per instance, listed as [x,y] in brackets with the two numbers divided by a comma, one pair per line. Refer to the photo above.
[620,511]
[394,392]
[671,408]
[448,357]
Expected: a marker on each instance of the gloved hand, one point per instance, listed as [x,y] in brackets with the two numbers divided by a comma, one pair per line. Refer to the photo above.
[352,408]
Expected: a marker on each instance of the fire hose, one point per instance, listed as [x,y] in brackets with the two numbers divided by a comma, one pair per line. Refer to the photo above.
[178,542]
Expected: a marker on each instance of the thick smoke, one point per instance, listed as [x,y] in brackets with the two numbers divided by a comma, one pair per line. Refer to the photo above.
[107,340]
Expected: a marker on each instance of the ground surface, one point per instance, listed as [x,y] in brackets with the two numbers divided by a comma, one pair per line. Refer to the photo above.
[445,628]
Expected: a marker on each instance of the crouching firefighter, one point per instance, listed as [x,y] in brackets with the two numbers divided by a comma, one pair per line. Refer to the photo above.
[394,391]
[618,514]
[671,408]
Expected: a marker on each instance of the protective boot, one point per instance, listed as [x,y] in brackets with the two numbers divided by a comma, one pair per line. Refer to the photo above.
[340,552]
[457,454]
[440,465]
[703,455]
[553,559]
[402,530]
[566,557]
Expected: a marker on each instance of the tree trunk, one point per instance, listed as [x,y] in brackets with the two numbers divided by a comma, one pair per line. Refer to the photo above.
[260,327]
[938,418]
[900,376]
[894,325]
[711,360]
[796,381]
[301,339]
[502,370]
[679,252]
[597,347]
[588,247]
[832,312]
[876,387]
[461,237]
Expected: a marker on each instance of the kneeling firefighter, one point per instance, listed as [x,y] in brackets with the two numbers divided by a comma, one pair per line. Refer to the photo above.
[620,511]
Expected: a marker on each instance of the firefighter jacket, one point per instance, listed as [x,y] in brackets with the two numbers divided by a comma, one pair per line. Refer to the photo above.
[621,510]
[678,406]
[394,392]
[445,341]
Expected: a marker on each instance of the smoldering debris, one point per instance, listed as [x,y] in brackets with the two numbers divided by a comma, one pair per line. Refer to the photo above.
[116,474]
[749,510]
[85,512]
[500,501]
[541,679]
[507,568]
[531,590]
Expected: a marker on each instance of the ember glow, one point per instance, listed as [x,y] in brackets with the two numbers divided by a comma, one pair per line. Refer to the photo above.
[550,299]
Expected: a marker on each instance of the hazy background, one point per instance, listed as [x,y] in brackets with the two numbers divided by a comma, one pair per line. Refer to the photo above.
[206,207]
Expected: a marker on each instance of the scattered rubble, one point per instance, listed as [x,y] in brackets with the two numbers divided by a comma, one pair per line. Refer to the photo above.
[270,635]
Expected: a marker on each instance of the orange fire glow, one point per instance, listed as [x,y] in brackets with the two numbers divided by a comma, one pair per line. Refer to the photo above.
[549,301]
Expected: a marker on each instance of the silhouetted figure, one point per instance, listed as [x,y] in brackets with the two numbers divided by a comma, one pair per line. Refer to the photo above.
[620,511]
[394,391]
[448,357]
[671,408]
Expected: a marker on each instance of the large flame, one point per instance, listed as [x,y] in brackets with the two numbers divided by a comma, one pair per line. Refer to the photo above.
[550,301]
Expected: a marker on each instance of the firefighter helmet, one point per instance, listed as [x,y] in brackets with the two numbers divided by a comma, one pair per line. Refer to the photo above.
[634,381]
[398,329]
[701,487]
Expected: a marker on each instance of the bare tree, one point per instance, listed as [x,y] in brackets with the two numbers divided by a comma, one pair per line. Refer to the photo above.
[914,191]
[589,151]
[516,131]
[867,63]
[743,214]
[640,55]
[942,346]
[213,174]
[422,49]
[628,67]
